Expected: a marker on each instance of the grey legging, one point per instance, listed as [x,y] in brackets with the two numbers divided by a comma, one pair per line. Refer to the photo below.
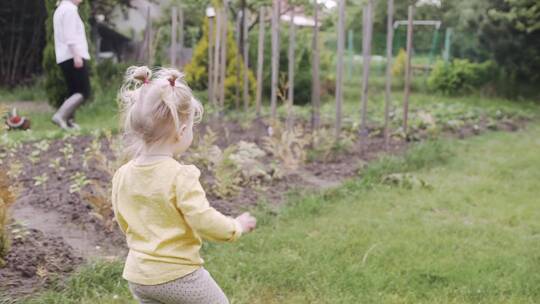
[197,287]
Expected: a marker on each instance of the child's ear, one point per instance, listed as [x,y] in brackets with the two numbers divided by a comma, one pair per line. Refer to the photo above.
[180,133]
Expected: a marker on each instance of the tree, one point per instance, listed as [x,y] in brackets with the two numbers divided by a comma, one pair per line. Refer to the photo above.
[197,73]
[22,38]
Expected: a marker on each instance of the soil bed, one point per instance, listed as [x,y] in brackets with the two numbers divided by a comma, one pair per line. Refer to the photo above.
[56,230]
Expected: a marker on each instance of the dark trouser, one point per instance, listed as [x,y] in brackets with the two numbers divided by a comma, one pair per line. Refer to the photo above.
[77,80]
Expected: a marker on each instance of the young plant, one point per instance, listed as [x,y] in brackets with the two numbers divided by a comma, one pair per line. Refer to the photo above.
[78,181]
[99,197]
[56,165]
[7,198]
[288,146]
[67,150]
[41,180]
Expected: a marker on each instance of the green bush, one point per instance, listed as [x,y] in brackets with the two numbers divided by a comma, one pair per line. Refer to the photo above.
[197,70]
[460,76]
[55,85]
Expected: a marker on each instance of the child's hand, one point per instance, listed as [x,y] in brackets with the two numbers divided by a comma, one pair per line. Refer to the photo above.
[247,221]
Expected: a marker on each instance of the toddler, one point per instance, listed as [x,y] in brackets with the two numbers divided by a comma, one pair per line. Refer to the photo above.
[159,203]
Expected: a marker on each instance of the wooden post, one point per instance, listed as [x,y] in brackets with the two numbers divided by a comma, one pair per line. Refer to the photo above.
[238,25]
[245,48]
[210,58]
[215,83]
[366,59]
[315,82]
[260,61]
[148,37]
[408,69]
[290,99]
[174,20]
[339,67]
[389,55]
[223,61]
[181,36]
[275,56]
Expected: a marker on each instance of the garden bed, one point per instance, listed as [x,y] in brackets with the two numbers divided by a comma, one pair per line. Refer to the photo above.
[56,228]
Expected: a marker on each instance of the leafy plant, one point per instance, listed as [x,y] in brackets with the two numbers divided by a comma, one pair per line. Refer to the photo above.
[41,180]
[288,146]
[460,76]
[206,153]
[78,181]
[227,175]
[7,198]
[56,165]
[324,144]
[67,150]
[100,200]
[398,67]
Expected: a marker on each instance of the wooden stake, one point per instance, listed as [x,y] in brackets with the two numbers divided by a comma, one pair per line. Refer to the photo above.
[315,84]
[408,69]
[223,61]
[215,83]
[290,101]
[366,59]
[245,48]
[389,55]
[275,56]
[339,67]
[260,61]
[181,36]
[238,24]
[174,20]
[210,58]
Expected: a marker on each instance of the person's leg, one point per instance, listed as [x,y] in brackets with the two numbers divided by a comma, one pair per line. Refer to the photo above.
[195,288]
[82,86]
[76,98]
[140,296]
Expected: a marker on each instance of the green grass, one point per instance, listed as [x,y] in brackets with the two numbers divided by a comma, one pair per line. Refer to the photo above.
[473,238]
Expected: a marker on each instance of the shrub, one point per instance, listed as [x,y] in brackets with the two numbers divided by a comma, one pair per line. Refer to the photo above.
[460,76]
[55,86]
[197,70]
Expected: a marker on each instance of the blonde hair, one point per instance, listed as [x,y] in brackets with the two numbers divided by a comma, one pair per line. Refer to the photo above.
[155,108]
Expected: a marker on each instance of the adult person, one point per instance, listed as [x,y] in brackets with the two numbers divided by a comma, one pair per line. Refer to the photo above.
[71,48]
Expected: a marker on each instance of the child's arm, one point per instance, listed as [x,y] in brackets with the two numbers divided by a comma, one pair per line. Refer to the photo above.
[207,221]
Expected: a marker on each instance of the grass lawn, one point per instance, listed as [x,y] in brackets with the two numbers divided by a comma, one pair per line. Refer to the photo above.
[473,237]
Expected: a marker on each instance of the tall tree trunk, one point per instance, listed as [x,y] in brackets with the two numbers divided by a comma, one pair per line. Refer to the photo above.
[388,89]
[290,99]
[223,61]
[275,56]
[408,68]
[238,34]
[181,36]
[260,61]
[174,28]
[211,59]
[315,84]
[339,67]
[217,61]
[366,50]
[245,51]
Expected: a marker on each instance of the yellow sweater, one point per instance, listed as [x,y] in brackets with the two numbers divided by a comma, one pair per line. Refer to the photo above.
[163,211]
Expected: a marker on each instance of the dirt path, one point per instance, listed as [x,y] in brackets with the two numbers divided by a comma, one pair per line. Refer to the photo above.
[84,242]
[25,107]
